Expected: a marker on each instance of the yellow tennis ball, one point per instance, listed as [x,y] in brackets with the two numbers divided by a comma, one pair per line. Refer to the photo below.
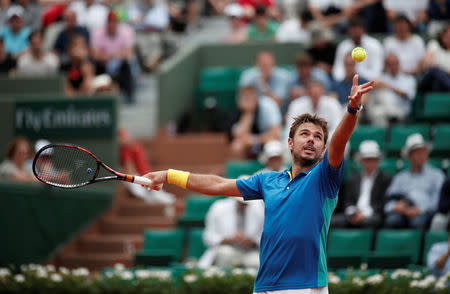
[358,54]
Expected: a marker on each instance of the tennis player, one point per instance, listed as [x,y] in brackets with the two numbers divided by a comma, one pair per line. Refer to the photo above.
[298,201]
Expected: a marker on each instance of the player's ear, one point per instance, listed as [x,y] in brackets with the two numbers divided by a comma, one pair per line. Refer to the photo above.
[291,144]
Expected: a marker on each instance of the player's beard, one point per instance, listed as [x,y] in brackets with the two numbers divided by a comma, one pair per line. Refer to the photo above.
[305,162]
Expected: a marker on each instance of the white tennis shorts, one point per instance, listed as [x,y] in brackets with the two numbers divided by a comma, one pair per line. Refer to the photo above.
[319,290]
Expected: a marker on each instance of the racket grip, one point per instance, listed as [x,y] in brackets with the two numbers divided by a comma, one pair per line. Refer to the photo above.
[142,181]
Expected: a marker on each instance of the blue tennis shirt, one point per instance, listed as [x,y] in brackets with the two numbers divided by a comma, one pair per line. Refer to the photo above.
[297,217]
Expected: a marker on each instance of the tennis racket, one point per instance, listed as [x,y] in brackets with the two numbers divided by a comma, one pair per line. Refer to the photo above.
[69,166]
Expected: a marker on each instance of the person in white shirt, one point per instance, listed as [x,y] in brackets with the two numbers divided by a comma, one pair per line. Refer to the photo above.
[409,47]
[415,10]
[233,229]
[90,13]
[364,191]
[394,95]
[316,102]
[372,66]
[295,30]
[36,62]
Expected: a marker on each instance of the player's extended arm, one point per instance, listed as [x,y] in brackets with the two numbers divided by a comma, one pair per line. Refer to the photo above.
[347,125]
[205,184]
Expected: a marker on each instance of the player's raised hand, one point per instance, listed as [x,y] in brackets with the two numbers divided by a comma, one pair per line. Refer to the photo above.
[354,100]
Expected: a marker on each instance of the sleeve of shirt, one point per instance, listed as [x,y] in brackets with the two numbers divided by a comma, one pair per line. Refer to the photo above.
[331,177]
[433,255]
[211,237]
[250,188]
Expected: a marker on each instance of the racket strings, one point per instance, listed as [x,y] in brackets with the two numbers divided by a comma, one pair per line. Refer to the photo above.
[65,166]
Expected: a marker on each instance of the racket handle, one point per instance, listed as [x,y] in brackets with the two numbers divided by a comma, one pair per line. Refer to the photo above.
[142,181]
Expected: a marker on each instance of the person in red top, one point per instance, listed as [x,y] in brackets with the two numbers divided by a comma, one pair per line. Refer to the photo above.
[250,8]
[132,154]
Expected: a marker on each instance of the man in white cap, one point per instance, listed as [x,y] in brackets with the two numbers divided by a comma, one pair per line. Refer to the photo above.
[272,156]
[413,196]
[364,192]
[15,34]
[235,14]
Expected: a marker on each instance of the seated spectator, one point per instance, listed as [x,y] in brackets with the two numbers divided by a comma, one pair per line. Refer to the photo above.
[70,30]
[35,62]
[184,14]
[316,102]
[372,66]
[364,192]
[235,14]
[436,64]
[4,6]
[272,156]
[250,7]
[32,14]
[90,13]
[322,47]
[332,13]
[415,11]
[15,167]
[15,34]
[409,47]
[233,229]
[113,49]
[7,62]
[443,214]
[295,30]
[342,88]
[306,73]
[267,79]
[257,121]
[262,28]
[438,14]
[413,196]
[134,161]
[393,98]
[438,261]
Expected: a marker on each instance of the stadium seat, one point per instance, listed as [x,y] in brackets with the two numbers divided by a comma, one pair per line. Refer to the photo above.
[197,206]
[34,85]
[195,244]
[431,238]
[437,107]
[441,141]
[348,247]
[362,133]
[160,248]
[236,168]
[391,165]
[395,248]
[399,133]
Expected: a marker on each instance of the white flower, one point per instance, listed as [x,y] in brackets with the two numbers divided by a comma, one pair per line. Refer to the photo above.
[80,272]
[50,267]
[375,279]
[440,285]
[358,281]
[190,264]
[213,272]
[416,275]
[399,273]
[4,272]
[19,278]
[430,279]
[32,266]
[143,274]
[64,270]
[41,272]
[237,271]
[23,267]
[161,275]
[251,271]
[126,275]
[363,266]
[333,279]
[414,284]
[190,278]
[56,277]
[109,274]
[118,267]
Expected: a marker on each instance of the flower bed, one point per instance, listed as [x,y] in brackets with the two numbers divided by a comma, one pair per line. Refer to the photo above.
[191,280]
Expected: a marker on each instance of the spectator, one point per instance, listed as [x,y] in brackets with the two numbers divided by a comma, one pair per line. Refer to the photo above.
[35,62]
[412,197]
[342,88]
[233,229]
[15,35]
[438,261]
[113,48]
[306,73]
[332,13]
[235,14]
[262,28]
[443,214]
[409,47]
[295,30]
[272,156]
[316,103]
[438,13]
[267,79]
[365,191]
[372,66]
[393,98]
[4,6]
[415,11]
[322,48]
[257,121]
[250,7]
[90,13]
[32,14]
[65,37]
[182,13]
[436,65]
[7,62]
[15,167]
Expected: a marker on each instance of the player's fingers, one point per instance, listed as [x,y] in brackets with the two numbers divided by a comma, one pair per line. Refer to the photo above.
[355,80]
[365,90]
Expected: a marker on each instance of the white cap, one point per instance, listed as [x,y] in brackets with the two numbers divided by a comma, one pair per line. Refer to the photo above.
[414,141]
[15,10]
[369,149]
[234,10]
[271,149]
[41,143]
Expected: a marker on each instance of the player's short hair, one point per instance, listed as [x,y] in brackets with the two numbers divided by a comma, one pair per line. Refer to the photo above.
[311,118]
